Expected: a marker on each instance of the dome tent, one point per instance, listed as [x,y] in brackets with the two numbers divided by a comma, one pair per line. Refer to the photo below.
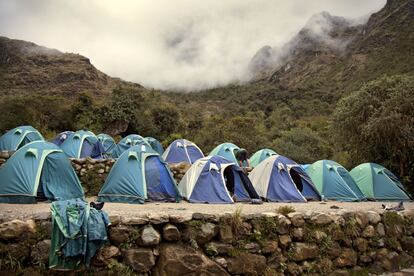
[278,178]
[139,174]
[215,179]
[107,142]
[128,142]
[226,150]
[261,155]
[155,144]
[38,170]
[182,150]
[82,143]
[61,137]
[334,182]
[376,182]
[18,137]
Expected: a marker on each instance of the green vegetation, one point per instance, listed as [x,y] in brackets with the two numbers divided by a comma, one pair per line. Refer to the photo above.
[285,210]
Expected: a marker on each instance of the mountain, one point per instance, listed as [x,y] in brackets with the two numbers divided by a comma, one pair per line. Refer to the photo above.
[26,68]
[332,53]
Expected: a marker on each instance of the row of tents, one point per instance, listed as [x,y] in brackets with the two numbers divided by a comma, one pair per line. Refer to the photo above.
[41,170]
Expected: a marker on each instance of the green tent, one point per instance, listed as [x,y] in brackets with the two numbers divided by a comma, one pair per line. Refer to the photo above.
[107,142]
[226,150]
[261,155]
[18,137]
[334,182]
[39,170]
[376,182]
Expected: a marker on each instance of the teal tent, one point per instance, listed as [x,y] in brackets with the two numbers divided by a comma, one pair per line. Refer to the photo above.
[226,150]
[38,170]
[107,142]
[18,137]
[334,182]
[128,142]
[139,174]
[81,144]
[261,155]
[155,144]
[376,182]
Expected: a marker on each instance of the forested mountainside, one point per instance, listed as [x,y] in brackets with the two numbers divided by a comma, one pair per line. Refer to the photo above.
[339,89]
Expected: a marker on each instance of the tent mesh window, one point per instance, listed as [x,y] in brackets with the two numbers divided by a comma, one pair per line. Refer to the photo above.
[296,179]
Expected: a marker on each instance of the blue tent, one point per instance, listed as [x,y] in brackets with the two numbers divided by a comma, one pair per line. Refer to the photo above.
[107,142]
[155,145]
[18,137]
[128,142]
[334,182]
[61,137]
[81,144]
[139,174]
[215,179]
[278,178]
[182,150]
[38,170]
[226,150]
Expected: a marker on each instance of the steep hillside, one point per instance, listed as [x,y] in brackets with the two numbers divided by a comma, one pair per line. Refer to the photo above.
[333,54]
[26,68]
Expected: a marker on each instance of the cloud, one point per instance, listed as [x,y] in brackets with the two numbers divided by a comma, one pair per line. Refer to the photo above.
[178,45]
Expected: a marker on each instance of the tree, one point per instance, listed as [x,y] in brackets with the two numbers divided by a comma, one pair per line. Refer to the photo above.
[376,124]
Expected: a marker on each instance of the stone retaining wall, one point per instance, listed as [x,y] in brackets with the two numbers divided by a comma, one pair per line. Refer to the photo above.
[231,244]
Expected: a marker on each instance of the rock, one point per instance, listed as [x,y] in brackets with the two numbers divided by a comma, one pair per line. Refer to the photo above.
[381,229]
[324,266]
[407,243]
[177,259]
[170,232]
[120,234]
[252,247]
[321,219]
[140,259]
[361,244]
[282,225]
[180,218]
[333,251]
[246,263]
[115,220]
[269,247]
[319,235]
[373,217]
[206,233]
[218,248]
[361,219]
[304,251]
[19,252]
[369,232]
[294,269]
[17,230]
[226,233]
[101,171]
[106,255]
[221,261]
[40,252]
[150,236]
[340,272]
[365,259]
[297,219]
[159,218]
[347,258]
[284,241]
[298,234]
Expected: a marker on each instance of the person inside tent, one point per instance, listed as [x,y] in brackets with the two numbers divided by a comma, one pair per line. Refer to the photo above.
[242,157]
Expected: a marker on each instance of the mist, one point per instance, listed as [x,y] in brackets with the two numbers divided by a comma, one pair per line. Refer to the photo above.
[183,45]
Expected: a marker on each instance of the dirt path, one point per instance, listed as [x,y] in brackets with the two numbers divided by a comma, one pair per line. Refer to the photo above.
[41,210]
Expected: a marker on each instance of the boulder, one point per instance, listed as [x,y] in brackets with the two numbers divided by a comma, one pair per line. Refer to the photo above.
[252,247]
[298,234]
[294,269]
[17,230]
[321,219]
[373,217]
[407,243]
[150,236]
[120,234]
[361,219]
[140,259]
[174,218]
[319,235]
[226,233]
[246,263]
[170,232]
[304,251]
[178,259]
[297,219]
[282,224]
[218,248]
[348,258]
[40,252]
[206,233]
[159,218]
[269,247]
[368,232]
[284,241]
[106,255]
[221,261]
[361,244]
[333,251]
[17,251]
[380,229]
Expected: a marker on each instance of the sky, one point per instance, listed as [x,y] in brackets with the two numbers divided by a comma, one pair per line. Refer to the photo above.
[182,45]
